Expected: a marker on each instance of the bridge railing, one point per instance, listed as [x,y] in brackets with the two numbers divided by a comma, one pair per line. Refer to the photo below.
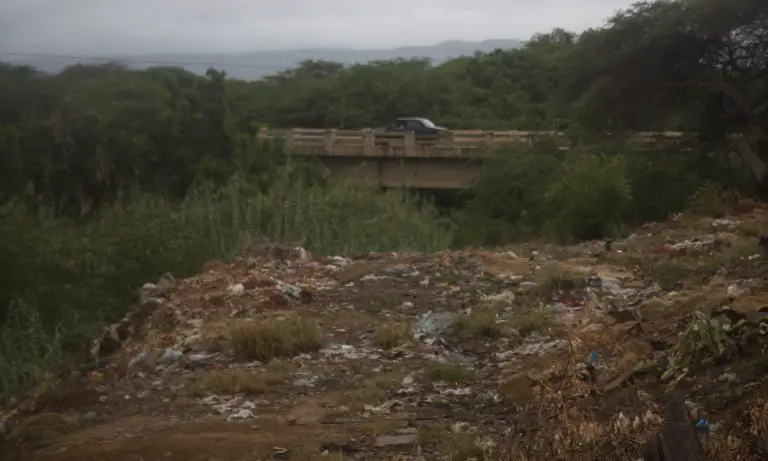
[367,142]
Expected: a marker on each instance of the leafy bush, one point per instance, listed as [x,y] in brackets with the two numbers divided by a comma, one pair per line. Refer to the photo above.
[709,199]
[591,191]
[506,201]
[590,199]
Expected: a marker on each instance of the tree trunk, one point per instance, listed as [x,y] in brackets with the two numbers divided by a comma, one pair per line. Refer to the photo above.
[748,148]
[748,145]
[677,440]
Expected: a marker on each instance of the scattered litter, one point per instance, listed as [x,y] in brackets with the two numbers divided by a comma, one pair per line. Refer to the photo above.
[605,325]
[432,324]
[170,356]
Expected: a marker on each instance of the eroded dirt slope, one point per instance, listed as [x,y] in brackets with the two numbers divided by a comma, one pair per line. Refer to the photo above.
[536,352]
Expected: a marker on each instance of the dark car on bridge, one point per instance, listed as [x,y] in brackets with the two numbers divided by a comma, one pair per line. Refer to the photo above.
[418,125]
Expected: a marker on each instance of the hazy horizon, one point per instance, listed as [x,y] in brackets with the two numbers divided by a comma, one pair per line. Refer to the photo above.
[93,27]
[139,54]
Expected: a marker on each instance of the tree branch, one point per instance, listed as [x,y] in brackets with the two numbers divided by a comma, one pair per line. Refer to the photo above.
[717,83]
[746,151]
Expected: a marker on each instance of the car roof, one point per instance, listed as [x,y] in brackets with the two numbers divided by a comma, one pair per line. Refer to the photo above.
[420,119]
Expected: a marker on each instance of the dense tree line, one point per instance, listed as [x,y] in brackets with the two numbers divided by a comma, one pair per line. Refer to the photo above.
[505,89]
[92,132]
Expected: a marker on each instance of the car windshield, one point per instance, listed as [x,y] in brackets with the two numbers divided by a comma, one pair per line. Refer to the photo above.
[427,123]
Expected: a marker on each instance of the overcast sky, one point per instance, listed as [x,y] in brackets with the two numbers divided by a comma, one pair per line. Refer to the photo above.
[128,26]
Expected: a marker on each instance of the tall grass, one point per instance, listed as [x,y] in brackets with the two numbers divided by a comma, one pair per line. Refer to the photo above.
[60,282]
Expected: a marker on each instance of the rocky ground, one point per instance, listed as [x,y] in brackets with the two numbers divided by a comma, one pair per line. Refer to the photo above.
[534,352]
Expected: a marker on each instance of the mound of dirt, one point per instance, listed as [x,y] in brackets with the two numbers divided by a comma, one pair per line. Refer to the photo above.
[523,354]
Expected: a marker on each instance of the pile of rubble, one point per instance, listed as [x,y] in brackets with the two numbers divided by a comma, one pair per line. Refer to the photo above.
[528,353]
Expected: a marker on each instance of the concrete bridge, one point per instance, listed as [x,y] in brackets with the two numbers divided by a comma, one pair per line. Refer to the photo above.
[449,161]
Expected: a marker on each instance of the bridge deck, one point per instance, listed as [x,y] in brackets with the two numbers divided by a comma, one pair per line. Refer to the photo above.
[449,161]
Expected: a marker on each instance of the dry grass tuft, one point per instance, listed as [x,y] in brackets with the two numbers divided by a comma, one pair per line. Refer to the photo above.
[375,392]
[235,382]
[481,323]
[529,321]
[553,280]
[266,339]
[391,335]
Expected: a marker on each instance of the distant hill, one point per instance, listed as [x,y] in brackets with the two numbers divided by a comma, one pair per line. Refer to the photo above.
[256,64]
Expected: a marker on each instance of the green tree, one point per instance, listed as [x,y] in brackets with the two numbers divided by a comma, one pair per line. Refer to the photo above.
[699,65]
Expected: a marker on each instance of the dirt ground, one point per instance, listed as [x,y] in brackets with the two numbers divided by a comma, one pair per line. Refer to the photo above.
[535,352]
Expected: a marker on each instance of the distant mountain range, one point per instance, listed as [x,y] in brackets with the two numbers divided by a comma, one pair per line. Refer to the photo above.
[256,64]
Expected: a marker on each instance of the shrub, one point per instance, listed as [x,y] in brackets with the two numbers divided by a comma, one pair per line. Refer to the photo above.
[590,199]
[506,201]
[28,353]
[391,335]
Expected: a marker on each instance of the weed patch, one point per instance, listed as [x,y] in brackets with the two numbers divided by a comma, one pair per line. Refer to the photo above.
[264,340]
[553,280]
[447,372]
[390,336]
[234,382]
[529,321]
[481,323]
